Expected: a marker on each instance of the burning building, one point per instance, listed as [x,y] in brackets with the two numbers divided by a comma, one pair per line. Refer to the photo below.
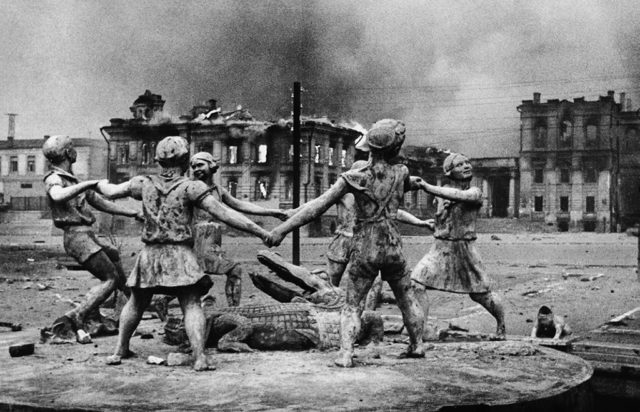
[255,157]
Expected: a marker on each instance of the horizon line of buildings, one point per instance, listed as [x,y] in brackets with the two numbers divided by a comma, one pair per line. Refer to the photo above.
[578,167]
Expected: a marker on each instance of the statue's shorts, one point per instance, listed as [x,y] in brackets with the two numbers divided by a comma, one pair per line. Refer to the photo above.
[80,242]
[377,247]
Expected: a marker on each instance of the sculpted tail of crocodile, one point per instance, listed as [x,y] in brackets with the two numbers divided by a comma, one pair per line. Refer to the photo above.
[299,320]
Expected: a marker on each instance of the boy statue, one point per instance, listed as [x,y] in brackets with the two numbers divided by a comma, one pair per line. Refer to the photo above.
[167,263]
[453,264]
[378,189]
[68,198]
[204,166]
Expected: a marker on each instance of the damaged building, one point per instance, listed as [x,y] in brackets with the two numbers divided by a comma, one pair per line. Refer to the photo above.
[579,163]
[497,177]
[255,157]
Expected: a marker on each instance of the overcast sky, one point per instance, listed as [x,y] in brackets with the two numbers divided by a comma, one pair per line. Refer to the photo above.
[453,71]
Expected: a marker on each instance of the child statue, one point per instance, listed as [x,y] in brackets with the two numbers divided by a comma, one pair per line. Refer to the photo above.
[453,264]
[378,189]
[69,201]
[204,166]
[167,264]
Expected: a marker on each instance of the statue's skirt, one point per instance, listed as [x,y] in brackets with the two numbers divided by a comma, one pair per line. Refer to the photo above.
[452,266]
[160,266]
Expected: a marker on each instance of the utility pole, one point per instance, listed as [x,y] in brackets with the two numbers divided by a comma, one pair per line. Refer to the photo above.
[295,251]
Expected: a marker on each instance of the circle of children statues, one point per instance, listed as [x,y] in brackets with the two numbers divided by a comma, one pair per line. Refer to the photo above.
[367,244]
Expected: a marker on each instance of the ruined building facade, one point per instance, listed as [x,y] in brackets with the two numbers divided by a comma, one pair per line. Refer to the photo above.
[579,163]
[255,157]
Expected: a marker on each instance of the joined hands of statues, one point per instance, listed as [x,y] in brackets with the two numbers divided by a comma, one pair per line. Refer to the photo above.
[100,184]
[283,215]
[274,238]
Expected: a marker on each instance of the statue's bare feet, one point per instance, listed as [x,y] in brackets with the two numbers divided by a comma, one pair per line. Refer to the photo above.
[501,333]
[116,358]
[344,359]
[413,351]
[202,363]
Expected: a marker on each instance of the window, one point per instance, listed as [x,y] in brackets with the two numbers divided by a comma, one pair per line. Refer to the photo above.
[262,188]
[13,164]
[152,152]
[317,154]
[232,187]
[262,153]
[288,189]
[591,204]
[590,175]
[540,137]
[343,158]
[537,203]
[538,175]
[144,154]
[631,141]
[591,135]
[232,155]
[133,150]
[205,147]
[564,203]
[123,154]
[565,175]
[317,183]
[566,134]
[26,185]
[290,154]
[31,164]
[331,150]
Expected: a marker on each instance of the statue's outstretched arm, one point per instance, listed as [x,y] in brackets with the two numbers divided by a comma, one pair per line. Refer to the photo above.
[311,210]
[471,195]
[248,207]
[229,216]
[407,217]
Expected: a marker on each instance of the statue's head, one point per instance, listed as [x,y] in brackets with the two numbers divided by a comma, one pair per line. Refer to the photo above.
[203,165]
[173,151]
[457,167]
[386,137]
[58,149]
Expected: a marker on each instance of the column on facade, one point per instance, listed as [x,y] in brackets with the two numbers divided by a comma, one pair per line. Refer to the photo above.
[486,203]
[577,196]
[325,163]
[512,195]
[217,155]
[245,184]
[551,190]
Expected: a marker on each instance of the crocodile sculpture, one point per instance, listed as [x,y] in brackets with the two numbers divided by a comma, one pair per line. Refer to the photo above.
[306,320]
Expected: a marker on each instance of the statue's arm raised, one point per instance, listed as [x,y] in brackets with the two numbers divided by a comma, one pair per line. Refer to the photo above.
[311,210]
[58,193]
[250,208]
[471,195]
[229,216]
[407,217]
